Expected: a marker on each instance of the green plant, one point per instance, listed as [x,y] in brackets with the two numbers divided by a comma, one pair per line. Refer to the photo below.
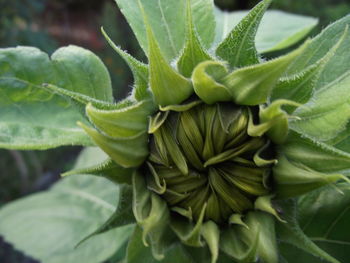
[217,155]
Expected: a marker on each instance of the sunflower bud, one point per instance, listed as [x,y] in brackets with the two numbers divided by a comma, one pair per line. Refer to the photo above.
[221,154]
[204,157]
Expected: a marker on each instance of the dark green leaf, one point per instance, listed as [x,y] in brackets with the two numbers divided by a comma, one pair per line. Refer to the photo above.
[122,216]
[290,232]
[324,217]
[48,225]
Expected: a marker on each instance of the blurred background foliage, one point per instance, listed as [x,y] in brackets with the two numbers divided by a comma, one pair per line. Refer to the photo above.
[51,24]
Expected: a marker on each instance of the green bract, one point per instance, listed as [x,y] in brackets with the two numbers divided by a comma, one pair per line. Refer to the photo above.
[215,144]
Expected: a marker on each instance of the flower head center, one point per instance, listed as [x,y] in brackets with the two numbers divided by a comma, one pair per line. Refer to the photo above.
[204,157]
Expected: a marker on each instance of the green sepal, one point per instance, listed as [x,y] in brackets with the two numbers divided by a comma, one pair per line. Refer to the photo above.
[141,197]
[262,161]
[294,179]
[167,85]
[300,87]
[232,245]
[154,182]
[239,46]
[263,225]
[138,69]
[121,217]
[185,106]
[263,203]
[316,155]
[229,114]
[152,214]
[211,234]
[237,219]
[124,122]
[257,239]
[156,121]
[193,53]
[108,169]
[126,151]
[244,91]
[155,227]
[290,232]
[138,253]
[205,79]
[184,212]
[188,232]
[278,119]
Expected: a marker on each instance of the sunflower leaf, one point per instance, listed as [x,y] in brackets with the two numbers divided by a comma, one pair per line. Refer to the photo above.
[300,88]
[290,232]
[316,155]
[324,217]
[70,210]
[122,216]
[33,117]
[328,111]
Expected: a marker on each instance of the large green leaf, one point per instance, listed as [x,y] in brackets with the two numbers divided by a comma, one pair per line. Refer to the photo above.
[338,65]
[278,30]
[290,232]
[315,155]
[32,117]
[167,19]
[81,71]
[47,226]
[324,217]
[328,111]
